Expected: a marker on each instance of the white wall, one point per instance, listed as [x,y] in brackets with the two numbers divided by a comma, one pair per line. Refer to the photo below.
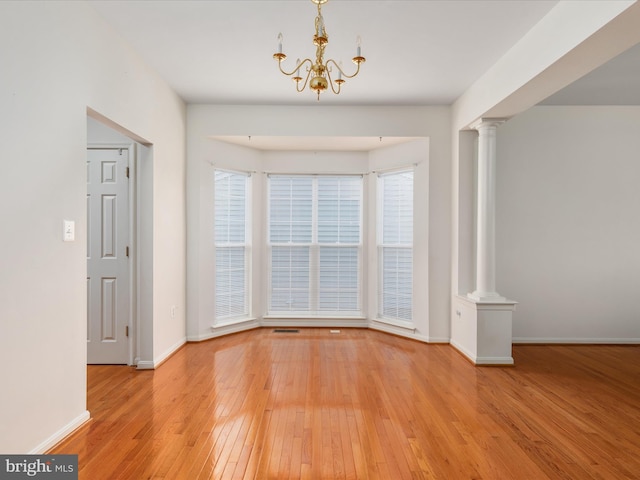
[205,121]
[58,59]
[99,133]
[568,223]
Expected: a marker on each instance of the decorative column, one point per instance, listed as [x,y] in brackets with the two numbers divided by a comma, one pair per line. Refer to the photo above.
[481,323]
[486,212]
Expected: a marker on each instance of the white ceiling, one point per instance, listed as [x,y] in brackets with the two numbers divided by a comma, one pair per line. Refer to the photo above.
[418,52]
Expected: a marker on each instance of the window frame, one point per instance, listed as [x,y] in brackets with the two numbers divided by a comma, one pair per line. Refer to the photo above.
[399,246]
[316,249]
[242,311]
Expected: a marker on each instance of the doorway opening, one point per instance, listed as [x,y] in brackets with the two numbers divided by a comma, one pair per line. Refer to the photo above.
[119,260]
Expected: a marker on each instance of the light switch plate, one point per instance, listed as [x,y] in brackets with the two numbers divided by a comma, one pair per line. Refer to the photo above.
[69,234]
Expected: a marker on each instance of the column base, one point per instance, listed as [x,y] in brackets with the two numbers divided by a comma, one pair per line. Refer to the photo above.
[482,329]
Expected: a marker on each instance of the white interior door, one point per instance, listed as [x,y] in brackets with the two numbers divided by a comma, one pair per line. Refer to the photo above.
[108,277]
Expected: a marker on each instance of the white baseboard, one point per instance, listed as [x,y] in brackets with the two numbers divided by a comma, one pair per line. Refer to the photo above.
[401,331]
[151,365]
[61,434]
[404,331]
[314,322]
[170,351]
[439,340]
[235,323]
[269,322]
[577,340]
[463,351]
[200,338]
[145,365]
[486,361]
[219,331]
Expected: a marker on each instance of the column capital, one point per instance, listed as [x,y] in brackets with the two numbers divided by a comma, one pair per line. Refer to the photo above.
[485,122]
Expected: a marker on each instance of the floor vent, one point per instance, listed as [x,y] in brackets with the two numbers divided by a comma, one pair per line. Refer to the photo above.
[286,330]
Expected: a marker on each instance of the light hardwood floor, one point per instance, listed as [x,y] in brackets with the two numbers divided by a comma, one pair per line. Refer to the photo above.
[363,405]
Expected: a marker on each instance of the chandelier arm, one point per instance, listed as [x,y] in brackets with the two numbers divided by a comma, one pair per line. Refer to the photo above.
[331,81]
[295,69]
[306,80]
[331,60]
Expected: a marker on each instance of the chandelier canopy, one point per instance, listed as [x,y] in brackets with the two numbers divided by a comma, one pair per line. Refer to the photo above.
[318,72]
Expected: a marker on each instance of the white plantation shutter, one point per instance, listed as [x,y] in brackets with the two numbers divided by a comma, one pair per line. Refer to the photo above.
[339,279]
[290,238]
[339,228]
[231,245]
[290,210]
[395,246]
[290,279]
[315,245]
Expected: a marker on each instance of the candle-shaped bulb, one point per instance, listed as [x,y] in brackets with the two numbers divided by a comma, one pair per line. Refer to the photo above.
[280,42]
[358,44]
[298,67]
[340,70]
[320,26]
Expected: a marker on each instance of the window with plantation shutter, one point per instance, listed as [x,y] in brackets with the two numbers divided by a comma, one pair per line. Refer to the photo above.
[231,245]
[315,245]
[395,246]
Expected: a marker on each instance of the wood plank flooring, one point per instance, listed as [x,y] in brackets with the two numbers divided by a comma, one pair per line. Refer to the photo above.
[362,405]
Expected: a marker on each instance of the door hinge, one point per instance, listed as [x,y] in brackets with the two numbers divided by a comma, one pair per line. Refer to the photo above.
[126,330]
[127,172]
[126,251]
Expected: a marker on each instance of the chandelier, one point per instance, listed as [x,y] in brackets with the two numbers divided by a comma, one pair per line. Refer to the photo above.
[318,73]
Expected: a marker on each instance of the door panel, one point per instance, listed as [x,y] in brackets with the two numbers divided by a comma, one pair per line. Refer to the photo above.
[108,279]
[109,228]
